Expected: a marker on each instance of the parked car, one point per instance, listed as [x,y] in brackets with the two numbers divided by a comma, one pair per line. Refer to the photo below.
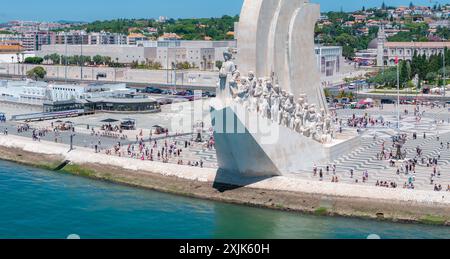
[387,101]
[183,93]
[169,92]
[344,100]
[153,90]
[165,101]
[211,95]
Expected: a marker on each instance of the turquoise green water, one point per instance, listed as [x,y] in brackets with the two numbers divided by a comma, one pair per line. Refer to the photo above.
[36,203]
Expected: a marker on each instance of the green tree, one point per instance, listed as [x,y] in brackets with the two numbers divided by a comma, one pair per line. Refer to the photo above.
[34,60]
[37,73]
[98,59]
[46,58]
[431,77]
[219,64]
[55,58]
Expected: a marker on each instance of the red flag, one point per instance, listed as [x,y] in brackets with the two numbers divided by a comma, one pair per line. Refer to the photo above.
[396,60]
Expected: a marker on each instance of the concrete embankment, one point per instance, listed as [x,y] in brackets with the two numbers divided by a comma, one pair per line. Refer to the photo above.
[281,193]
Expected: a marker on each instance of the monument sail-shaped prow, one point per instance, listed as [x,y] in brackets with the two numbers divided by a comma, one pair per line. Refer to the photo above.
[271,116]
[276,40]
[254,26]
[305,78]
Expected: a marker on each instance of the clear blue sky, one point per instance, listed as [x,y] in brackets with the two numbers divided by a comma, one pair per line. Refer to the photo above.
[90,10]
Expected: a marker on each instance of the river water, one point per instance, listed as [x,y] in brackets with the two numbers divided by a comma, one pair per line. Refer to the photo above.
[36,203]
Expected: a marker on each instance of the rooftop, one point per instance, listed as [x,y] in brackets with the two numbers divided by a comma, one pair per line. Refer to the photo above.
[10,48]
[417,44]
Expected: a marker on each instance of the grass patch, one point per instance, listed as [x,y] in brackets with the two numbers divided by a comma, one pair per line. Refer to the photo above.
[321,211]
[433,220]
[279,206]
[78,170]
[48,166]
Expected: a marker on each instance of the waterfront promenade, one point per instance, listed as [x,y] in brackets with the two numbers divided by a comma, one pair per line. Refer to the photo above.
[282,183]
[282,193]
[198,176]
[363,166]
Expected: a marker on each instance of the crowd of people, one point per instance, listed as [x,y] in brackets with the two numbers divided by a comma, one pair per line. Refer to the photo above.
[167,150]
[365,121]
[403,167]
[386,184]
[111,128]
[109,134]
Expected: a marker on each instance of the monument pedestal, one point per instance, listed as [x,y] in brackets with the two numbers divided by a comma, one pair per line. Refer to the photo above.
[253,146]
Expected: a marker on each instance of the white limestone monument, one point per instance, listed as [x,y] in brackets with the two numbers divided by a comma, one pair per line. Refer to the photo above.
[270,116]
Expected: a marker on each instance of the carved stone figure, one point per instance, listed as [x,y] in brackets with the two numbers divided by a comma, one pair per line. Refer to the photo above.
[259,96]
[299,114]
[252,82]
[226,71]
[265,106]
[275,101]
[241,93]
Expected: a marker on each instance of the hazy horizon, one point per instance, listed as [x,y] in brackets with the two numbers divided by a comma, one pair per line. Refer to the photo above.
[48,10]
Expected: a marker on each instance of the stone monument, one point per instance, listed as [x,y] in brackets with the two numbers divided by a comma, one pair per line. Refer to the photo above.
[275,120]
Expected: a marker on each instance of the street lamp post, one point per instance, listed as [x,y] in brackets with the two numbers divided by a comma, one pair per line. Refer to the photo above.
[81,58]
[71,142]
[167,65]
[444,86]
[65,57]
[398,94]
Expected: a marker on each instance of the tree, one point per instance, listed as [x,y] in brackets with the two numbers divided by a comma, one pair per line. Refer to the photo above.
[97,59]
[404,72]
[327,92]
[431,77]
[85,60]
[107,60]
[55,58]
[219,64]
[37,73]
[34,60]
[47,58]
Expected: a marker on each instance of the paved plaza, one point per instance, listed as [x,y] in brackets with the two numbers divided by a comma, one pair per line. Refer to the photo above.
[434,123]
[178,118]
[364,159]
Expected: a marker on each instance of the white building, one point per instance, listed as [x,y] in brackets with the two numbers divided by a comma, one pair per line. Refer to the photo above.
[32,92]
[388,52]
[57,92]
[28,92]
[95,38]
[329,60]
[120,53]
[199,54]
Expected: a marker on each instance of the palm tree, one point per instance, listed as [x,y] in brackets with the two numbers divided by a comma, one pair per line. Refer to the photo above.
[46,58]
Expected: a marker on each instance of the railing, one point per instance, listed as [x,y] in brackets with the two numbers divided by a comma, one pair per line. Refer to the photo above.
[47,115]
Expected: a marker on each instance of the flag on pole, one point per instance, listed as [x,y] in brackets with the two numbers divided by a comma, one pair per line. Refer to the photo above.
[396,60]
